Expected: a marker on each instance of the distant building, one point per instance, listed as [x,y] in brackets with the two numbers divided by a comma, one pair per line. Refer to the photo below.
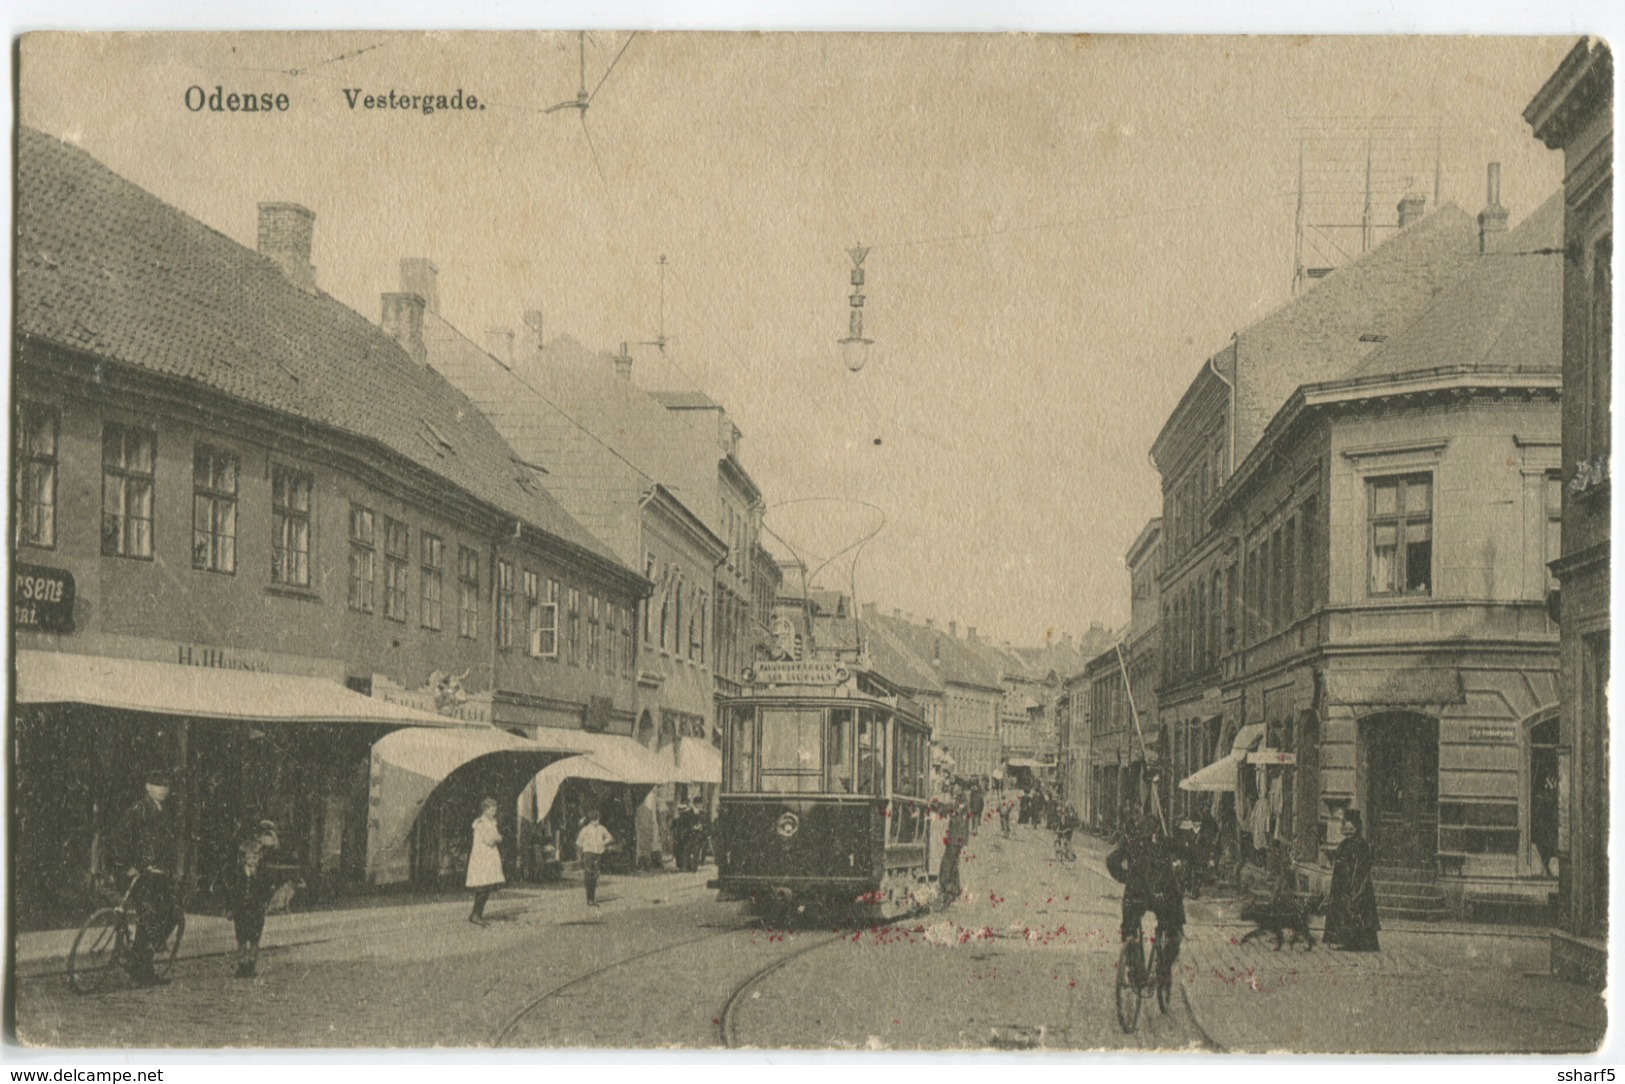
[1574,113]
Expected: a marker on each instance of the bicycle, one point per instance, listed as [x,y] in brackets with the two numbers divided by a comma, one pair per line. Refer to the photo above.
[1138,979]
[106,942]
[1063,846]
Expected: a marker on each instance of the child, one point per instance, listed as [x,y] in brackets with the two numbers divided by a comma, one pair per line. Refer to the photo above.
[592,841]
[249,886]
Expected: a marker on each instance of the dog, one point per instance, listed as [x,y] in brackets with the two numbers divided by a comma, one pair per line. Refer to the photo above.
[1282,915]
[282,899]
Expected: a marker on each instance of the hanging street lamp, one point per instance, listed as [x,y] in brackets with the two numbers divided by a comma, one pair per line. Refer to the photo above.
[855,348]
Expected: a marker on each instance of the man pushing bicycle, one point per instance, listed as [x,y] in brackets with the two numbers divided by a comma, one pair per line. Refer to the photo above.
[145,844]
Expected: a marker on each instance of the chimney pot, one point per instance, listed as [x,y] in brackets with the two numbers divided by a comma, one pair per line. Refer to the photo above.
[499,341]
[1492,220]
[420,276]
[1411,208]
[953,628]
[970,633]
[403,322]
[284,236]
[623,363]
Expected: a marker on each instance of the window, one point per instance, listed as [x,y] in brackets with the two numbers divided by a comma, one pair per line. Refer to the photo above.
[468,593]
[397,556]
[1402,535]
[363,557]
[741,748]
[505,605]
[214,510]
[612,644]
[649,603]
[290,526]
[1554,525]
[627,659]
[542,617]
[1289,572]
[1600,344]
[431,577]
[1309,587]
[592,632]
[838,753]
[871,753]
[36,456]
[574,611]
[705,616]
[128,456]
[792,757]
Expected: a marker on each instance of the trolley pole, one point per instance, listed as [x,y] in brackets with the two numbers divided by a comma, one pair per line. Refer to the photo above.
[1145,751]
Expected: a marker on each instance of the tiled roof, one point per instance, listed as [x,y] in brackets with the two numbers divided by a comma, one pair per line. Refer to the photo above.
[1506,315]
[108,269]
[952,659]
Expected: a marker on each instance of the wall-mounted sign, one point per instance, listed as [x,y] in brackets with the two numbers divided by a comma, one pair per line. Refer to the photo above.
[1271,756]
[42,598]
[1489,733]
[799,673]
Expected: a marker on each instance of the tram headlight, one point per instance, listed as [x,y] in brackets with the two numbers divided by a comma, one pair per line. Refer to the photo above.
[787,825]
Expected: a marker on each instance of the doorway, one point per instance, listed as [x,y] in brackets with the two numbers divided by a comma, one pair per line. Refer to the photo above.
[1401,755]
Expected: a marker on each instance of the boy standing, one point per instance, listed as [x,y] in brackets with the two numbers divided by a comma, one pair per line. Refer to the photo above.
[249,887]
[592,841]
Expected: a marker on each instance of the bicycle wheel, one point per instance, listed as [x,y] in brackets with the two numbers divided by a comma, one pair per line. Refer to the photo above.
[97,950]
[1162,976]
[163,955]
[1130,964]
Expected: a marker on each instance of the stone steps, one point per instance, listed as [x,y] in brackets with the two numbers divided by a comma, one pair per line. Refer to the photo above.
[1410,892]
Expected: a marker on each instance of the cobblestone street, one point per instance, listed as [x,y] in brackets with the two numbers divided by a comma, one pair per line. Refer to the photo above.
[1025,960]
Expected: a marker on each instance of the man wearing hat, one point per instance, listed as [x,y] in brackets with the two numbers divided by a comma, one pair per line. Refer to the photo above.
[146,844]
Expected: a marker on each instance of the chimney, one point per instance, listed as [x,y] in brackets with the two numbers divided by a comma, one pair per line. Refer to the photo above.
[1411,208]
[499,341]
[403,322]
[931,623]
[533,332]
[1492,220]
[953,629]
[970,633]
[421,277]
[623,364]
[284,236]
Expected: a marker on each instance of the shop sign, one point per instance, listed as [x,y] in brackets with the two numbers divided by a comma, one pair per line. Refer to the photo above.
[799,673]
[1489,733]
[1272,756]
[42,598]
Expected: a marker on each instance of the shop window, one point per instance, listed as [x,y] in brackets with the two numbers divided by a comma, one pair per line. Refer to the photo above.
[431,585]
[397,559]
[468,593]
[36,459]
[505,605]
[290,526]
[214,510]
[128,459]
[363,556]
[1478,827]
[1401,535]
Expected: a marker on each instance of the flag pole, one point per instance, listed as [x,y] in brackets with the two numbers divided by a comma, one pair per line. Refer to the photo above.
[1145,751]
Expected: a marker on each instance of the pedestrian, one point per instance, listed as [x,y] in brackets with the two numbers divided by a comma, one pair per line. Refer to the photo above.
[592,841]
[978,803]
[484,860]
[953,841]
[1351,910]
[145,841]
[1006,807]
[249,886]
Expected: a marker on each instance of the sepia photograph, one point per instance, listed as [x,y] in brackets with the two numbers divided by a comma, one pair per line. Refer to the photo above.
[632,539]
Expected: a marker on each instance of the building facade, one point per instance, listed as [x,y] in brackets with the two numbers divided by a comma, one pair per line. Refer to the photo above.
[1574,113]
[273,551]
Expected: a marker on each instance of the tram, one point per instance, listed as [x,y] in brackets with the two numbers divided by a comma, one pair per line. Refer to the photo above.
[825,793]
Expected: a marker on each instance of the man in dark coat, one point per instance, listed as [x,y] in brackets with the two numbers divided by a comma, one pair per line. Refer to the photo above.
[953,841]
[1145,864]
[145,843]
[978,803]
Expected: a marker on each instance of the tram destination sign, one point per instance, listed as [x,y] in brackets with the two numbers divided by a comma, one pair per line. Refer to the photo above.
[41,598]
[799,673]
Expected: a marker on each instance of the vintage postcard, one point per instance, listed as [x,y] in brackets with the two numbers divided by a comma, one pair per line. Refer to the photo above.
[862,542]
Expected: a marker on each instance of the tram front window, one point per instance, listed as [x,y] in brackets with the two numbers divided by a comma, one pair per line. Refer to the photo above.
[840,751]
[792,757]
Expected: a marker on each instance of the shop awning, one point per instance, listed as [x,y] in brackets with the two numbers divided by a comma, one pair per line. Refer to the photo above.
[1221,774]
[407,767]
[201,692]
[621,761]
[696,761]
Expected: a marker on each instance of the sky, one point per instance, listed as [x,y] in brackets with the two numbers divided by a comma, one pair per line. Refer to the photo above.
[1061,230]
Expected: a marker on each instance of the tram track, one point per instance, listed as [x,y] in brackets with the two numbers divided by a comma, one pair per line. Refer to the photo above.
[726,1031]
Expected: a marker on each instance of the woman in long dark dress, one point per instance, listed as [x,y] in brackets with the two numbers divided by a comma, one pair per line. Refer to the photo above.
[1351,913]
